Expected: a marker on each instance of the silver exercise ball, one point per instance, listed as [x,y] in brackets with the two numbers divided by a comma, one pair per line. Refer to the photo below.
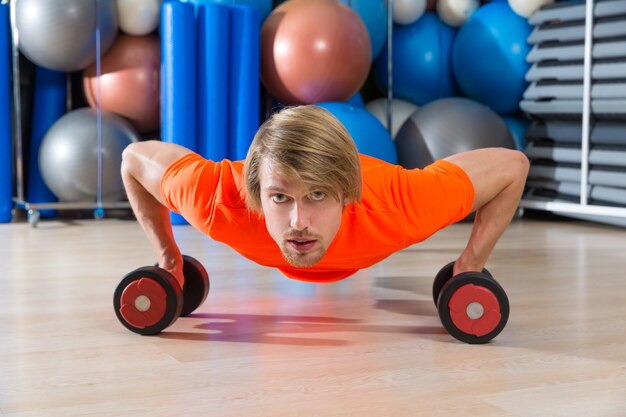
[61,34]
[448,126]
[68,156]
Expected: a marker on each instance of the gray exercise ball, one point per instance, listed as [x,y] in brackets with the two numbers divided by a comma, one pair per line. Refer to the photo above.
[68,156]
[448,126]
[61,34]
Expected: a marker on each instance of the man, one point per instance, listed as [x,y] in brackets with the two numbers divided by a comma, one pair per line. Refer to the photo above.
[306,202]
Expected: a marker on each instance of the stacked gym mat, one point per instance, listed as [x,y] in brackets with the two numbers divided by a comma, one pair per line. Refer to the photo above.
[6,171]
[555,100]
[210,85]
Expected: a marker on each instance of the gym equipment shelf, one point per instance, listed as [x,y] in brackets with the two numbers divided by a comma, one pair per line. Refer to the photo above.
[33,209]
[578,98]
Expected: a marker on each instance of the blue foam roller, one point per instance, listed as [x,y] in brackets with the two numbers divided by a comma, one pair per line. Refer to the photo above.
[6,167]
[245,35]
[213,73]
[178,78]
[264,6]
[49,105]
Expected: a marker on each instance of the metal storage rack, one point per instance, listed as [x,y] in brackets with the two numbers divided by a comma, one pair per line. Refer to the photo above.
[580,164]
[33,209]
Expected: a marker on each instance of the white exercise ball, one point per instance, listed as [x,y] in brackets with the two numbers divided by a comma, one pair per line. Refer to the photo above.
[526,8]
[406,12]
[401,110]
[138,17]
[456,12]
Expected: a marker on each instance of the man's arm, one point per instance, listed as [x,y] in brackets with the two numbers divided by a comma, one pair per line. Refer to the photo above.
[143,166]
[498,176]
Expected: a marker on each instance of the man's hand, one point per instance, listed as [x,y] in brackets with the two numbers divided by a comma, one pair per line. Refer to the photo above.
[173,263]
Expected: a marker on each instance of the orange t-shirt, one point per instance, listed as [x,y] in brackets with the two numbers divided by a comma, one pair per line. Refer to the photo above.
[398,208]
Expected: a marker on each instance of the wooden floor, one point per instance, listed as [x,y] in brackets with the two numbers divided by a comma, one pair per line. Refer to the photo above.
[263,345]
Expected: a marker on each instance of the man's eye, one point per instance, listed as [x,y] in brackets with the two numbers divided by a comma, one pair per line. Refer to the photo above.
[318,196]
[279,198]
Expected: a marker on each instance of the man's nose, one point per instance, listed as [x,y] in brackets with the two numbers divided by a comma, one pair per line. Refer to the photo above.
[300,219]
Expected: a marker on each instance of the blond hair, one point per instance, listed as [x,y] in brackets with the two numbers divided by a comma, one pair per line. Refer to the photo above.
[308,144]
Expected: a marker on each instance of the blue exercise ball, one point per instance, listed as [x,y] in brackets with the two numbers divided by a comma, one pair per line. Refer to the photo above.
[518,127]
[374,16]
[489,57]
[422,66]
[369,135]
[356,100]
[61,34]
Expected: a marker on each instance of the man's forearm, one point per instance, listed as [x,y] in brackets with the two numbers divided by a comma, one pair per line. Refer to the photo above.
[490,222]
[155,221]
[498,176]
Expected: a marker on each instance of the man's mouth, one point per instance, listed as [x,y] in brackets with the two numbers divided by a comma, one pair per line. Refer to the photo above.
[302,245]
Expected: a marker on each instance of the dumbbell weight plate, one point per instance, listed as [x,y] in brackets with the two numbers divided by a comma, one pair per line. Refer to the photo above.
[148,300]
[196,286]
[473,307]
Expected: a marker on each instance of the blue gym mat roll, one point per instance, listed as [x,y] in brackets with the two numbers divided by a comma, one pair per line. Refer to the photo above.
[245,35]
[6,167]
[49,105]
[178,78]
[213,73]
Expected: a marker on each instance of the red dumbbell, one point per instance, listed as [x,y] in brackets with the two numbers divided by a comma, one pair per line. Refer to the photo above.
[472,306]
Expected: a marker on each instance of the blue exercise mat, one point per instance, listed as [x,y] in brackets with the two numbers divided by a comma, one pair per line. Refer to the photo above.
[6,167]
[178,78]
[48,107]
[245,38]
[213,74]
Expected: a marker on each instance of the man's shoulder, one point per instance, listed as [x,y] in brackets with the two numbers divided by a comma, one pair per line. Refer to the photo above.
[380,180]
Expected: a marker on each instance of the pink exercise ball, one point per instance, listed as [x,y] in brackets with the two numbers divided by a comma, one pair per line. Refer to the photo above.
[314,51]
[129,81]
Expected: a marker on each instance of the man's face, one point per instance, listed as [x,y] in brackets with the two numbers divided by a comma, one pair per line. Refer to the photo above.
[302,223]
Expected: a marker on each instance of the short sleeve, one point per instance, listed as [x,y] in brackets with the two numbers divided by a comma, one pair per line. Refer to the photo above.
[192,185]
[433,198]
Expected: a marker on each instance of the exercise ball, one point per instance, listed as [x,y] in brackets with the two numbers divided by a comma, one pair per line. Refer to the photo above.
[369,135]
[422,68]
[449,126]
[356,100]
[526,8]
[61,34]
[489,57]
[406,12]
[374,16]
[518,127]
[400,111]
[314,51]
[456,12]
[68,156]
[129,81]
[138,17]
